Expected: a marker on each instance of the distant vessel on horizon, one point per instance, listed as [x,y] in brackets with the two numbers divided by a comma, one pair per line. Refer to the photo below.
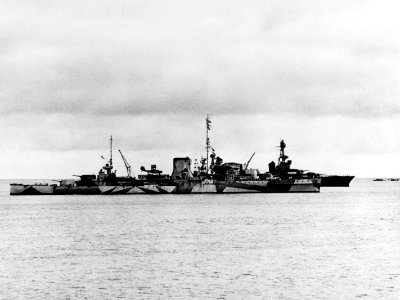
[386,179]
[334,180]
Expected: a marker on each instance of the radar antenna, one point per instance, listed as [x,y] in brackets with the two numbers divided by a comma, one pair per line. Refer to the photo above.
[282,156]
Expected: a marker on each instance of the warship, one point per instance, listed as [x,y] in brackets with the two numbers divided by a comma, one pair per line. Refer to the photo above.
[336,180]
[333,180]
[212,175]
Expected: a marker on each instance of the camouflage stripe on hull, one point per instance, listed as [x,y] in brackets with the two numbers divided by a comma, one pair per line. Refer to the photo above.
[195,187]
[31,190]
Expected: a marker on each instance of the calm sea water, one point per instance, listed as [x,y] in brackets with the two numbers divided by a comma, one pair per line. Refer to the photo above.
[343,243]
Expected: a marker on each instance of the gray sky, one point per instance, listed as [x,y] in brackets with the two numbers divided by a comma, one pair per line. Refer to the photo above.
[323,75]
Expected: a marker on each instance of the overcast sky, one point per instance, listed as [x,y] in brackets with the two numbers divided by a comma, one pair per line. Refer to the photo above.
[323,75]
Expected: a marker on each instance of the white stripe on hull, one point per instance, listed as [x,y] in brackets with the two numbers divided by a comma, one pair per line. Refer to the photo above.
[229,189]
[256,183]
[118,189]
[152,188]
[106,188]
[167,189]
[17,189]
[44,189]
[37,189]
[135,190]
[204,188]
[304,187]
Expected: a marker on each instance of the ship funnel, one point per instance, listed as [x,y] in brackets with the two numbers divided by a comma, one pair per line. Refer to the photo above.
[182,168]
[272,167]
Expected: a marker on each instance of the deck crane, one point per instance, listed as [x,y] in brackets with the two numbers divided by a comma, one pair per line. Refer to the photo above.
[127,165]
[246,165]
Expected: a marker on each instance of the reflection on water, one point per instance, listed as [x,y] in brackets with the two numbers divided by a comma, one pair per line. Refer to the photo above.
[343,243]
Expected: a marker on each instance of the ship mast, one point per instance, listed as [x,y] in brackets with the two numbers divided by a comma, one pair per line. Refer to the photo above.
[111,152]
[208,127]
[282,157]
[108,167]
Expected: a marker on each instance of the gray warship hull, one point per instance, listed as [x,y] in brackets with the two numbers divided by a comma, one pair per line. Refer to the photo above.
[179,187]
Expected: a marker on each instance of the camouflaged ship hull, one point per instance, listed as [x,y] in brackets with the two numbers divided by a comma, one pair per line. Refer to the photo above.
[178,187]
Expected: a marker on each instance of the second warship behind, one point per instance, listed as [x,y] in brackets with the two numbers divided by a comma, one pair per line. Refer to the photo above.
[336,180]
[213,177]
[333,180]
